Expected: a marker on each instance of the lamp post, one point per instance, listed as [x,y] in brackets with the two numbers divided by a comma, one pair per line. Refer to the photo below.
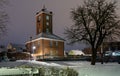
[30,47]
[33,48]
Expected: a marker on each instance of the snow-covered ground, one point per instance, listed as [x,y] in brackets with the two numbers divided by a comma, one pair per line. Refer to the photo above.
[85,69]
[29,63]
[82,67]
[110,69]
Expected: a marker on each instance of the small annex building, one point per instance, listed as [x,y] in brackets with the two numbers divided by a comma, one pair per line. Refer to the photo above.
[45,44]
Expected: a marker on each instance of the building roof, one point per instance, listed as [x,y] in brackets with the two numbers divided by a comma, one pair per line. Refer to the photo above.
[47,36]
[50,36]
[44,10]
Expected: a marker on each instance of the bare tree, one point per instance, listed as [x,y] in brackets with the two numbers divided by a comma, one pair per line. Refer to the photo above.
[94,22]
[3,17]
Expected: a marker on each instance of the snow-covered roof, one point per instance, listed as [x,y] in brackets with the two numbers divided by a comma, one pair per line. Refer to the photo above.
[76,52]
[44,10]
[48,36]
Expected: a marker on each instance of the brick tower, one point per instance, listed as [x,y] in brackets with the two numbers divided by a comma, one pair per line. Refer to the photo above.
[45,44]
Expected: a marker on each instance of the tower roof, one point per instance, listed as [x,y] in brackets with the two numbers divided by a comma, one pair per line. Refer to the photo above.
[44,10]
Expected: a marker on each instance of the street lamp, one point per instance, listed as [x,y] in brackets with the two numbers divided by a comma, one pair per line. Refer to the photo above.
[30,46]
[34,47]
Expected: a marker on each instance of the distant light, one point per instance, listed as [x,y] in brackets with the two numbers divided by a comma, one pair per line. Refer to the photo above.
[113,54]
[116,53]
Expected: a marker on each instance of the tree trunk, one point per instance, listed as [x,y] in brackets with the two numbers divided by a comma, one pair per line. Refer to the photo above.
[102,58]
[93,58]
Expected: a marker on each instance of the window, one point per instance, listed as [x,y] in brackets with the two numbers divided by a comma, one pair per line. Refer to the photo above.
[47,17]
[39,18]
[56,52]
[51,52]
[38,43]
[56,43]
[47,23]
[39,30]
[51,43]
[47,30]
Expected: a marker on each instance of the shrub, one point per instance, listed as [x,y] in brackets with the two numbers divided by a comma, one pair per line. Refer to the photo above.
[53,71]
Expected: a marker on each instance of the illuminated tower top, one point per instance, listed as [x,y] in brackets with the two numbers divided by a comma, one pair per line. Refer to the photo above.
[44,21]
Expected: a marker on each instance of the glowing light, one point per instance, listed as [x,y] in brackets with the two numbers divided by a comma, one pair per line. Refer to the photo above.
[34,47]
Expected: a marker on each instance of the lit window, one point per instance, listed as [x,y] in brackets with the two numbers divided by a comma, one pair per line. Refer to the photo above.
[51,52]
[39,18]
[47,17]
[47,30]
[56,52]
[47,23]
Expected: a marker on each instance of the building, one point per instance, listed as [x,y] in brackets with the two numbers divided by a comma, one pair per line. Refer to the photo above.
[111,46]
[45,44]
[13,52]
[15,47]
[105,48]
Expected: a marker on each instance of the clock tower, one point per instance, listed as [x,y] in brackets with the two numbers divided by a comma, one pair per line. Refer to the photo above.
[44,22]
[45,44]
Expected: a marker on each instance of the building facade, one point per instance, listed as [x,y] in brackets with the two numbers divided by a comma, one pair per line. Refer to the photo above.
[106,46]
[111,46]
[45,44]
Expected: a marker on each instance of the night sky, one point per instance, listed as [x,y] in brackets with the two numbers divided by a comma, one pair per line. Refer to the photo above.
[22,23]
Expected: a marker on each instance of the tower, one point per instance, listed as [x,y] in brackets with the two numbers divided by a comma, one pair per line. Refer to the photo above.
[44,22]
[45,44]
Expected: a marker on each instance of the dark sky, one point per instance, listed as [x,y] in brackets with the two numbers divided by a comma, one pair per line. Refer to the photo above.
[22,19]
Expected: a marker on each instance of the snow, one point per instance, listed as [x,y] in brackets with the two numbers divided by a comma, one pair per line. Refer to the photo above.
[110,69]
[85,69]
[16,71]
[76,52]
[39,63]
[82,67]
